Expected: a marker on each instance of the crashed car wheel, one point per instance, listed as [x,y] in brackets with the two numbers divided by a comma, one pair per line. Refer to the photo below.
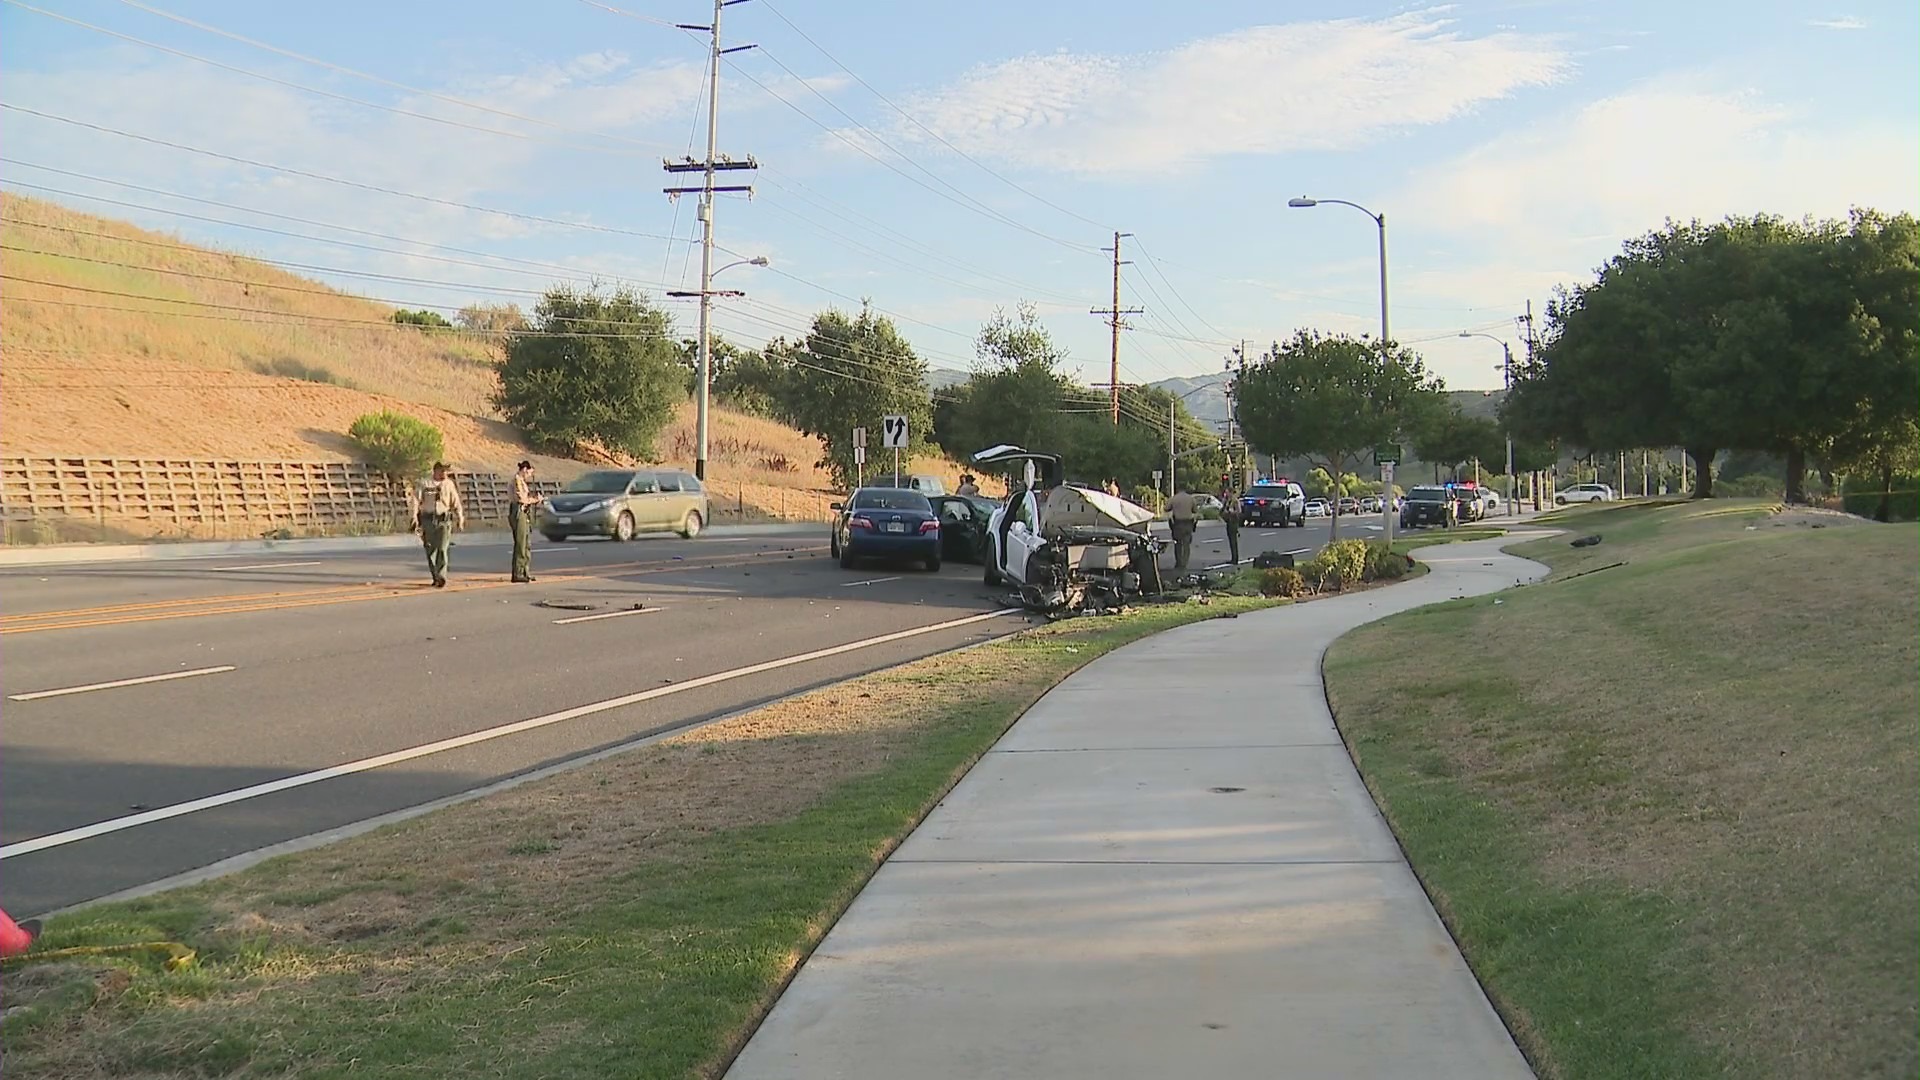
[991,575]
[846,559]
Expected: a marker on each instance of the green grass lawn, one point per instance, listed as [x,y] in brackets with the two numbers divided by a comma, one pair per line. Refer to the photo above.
[1668,808]
[631,918]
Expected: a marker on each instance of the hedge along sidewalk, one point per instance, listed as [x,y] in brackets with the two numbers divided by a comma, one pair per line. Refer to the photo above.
[633,917]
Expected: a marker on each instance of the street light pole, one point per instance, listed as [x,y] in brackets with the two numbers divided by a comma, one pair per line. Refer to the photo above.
[1386,334]
[1506,370]
[706,293]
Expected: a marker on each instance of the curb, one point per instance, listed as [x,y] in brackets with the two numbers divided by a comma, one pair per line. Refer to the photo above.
[59,554]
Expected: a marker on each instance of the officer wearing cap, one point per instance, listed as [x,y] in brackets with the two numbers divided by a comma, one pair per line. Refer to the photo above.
[520,517]
[435,506]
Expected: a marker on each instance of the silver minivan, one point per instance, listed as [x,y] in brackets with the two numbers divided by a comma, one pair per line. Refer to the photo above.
[622,503]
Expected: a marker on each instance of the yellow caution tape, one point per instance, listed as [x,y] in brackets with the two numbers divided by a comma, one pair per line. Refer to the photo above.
[178,956]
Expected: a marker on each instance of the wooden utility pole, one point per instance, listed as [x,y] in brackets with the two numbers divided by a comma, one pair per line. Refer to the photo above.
[1115,319]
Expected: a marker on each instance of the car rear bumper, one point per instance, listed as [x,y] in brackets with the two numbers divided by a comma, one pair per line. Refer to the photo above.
[891,546]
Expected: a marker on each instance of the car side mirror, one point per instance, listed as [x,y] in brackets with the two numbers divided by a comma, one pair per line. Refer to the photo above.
[836,506]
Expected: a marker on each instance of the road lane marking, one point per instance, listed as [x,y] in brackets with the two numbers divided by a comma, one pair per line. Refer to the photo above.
[263,566]
[134,613]
[168,677]
[869,581]
[606,615]
[287,783]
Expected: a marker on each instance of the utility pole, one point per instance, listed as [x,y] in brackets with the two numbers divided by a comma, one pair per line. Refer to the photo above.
[713,163]
[1114,319]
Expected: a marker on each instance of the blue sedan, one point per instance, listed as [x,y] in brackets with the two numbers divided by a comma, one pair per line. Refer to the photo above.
[886,523]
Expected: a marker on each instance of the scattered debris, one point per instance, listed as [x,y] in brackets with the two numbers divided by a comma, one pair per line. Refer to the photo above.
[569,605]
[1586,541]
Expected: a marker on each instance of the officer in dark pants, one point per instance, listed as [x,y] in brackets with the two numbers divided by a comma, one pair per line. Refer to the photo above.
[520,518]
[1230,517]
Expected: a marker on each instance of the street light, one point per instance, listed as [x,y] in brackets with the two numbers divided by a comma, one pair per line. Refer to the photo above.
[1301,203]
[705,296]
[1506,370]
[1173,404]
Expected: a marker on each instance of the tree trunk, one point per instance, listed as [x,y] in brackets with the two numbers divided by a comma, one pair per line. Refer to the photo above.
[1796,476]
[1885,510]
[1702,470]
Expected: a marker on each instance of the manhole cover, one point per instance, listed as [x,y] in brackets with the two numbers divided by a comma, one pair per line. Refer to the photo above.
[1225,790]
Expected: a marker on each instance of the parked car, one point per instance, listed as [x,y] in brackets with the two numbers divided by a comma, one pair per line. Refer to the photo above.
[1317,508]
[1370,504]
[1274,502]
[1426,505]
[1349,506]
[1206,503]
[885,523]
[963,526]
[1490,501]
[1468,505]
[622,503]
[1584,493]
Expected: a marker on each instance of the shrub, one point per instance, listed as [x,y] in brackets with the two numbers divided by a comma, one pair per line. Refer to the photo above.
[396,444]
[1864,493]
[1282,581]
[287,367]
[1756,485]
[426,320]
[1383,563]
[1343,562]
[593,369]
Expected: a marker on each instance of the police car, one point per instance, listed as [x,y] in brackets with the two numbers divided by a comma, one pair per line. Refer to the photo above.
[1274,502]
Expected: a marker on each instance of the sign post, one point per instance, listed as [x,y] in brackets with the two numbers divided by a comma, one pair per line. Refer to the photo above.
[893,434]
[1387,456]
[859,457]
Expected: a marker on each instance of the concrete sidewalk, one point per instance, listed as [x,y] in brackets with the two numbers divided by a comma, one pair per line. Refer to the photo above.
[1168,868]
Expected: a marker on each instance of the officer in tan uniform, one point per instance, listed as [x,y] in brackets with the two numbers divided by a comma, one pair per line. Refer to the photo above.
[437,510]
[520,517]
[1183,517]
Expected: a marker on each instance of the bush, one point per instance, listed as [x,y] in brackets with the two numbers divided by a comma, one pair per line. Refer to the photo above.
[396,444]
[600,370]
[1343,562]
[1752,486]
[427,320]
[287,367]
[1385,564]
[1282,581]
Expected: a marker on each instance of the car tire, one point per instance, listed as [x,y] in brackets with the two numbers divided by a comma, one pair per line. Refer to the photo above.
[846,559]
[933,565]
[833,546]
[623,528]
[990,574]
[554,538]
[691,527]
[1560,500]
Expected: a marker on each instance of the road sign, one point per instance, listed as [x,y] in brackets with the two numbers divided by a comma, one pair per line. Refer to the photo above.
[1386,472]
[1157,474]
[1386,454]
[859,438]
[893,429]
[860,451]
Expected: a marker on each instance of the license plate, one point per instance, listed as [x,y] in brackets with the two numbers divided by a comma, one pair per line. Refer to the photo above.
[896,527]
[564,520]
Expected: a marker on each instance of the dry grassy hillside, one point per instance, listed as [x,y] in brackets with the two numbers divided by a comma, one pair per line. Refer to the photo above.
[279,369]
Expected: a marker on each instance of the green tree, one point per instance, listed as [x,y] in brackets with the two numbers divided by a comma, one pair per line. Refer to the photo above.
[850,371]
[1449,438]
[1016,393]
[395,444]
[426,320]
[1332,398]
[592,370]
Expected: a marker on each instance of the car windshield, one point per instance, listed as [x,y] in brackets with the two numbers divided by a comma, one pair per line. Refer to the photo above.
[891,499]
[1266,491]
[601,483]
[1428,494]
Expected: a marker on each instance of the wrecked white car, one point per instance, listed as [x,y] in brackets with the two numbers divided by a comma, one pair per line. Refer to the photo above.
[1066,548]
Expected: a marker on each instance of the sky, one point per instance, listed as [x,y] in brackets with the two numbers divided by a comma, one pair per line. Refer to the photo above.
[945,160]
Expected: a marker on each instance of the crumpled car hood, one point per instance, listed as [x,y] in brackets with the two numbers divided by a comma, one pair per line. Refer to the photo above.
[1069,506]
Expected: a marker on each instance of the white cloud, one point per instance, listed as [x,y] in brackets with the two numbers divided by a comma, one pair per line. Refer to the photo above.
[1326,85]
[1549,203]
[1844,22]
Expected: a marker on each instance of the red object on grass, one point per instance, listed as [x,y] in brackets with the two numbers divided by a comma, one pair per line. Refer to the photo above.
[14,938]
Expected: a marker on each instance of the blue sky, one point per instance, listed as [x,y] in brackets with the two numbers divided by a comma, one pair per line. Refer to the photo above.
[1512,146]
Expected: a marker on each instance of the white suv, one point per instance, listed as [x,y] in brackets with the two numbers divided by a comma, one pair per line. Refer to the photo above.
[1584,493]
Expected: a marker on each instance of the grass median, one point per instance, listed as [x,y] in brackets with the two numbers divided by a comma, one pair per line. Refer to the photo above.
[634,917]
[1666,801]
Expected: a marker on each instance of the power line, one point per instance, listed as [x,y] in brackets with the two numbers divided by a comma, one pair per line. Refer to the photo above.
[916,123]
[314,89]
[342,69]
[290,171]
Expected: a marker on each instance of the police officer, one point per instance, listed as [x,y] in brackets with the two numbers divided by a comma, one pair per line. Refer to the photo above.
[437,511]
[1230,517]
[1183,517]
[520,519]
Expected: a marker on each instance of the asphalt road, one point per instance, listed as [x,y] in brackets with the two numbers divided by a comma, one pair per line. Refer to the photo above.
[328,680]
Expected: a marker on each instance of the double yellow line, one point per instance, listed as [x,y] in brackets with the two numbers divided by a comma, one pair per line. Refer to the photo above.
[199,606]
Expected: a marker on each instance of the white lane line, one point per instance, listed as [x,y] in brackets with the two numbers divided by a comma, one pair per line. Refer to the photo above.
[1297,551]
[168,677]
[264,566]
[606,615]
[286,783]
[869,581]
[557,547]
